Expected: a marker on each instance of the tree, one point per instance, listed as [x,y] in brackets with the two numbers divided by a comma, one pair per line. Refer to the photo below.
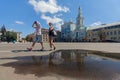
[29,37]
[11,36]
[3,31]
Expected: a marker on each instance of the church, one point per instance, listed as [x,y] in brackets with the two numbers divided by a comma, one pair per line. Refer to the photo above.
[80,31]
[74,32]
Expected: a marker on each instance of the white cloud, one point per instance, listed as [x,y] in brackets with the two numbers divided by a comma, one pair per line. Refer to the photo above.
[19,22]
[50,6]
[96,23]
[55,20]
[58,25]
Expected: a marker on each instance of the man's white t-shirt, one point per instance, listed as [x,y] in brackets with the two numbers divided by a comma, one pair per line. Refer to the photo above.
[37,28]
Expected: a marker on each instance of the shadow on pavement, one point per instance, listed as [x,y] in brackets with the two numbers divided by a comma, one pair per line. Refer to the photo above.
[17,51]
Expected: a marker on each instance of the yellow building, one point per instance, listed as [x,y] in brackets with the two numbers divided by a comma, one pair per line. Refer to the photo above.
[104,32]
[45,36]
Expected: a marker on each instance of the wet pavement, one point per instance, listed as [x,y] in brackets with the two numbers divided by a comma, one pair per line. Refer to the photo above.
[70,64]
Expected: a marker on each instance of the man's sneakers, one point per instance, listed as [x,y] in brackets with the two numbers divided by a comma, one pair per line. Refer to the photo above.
[29,49]
[42,49]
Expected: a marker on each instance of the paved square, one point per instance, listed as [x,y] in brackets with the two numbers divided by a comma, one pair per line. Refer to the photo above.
[9,53]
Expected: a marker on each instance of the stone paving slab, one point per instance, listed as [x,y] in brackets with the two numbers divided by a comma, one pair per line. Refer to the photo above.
[107,47]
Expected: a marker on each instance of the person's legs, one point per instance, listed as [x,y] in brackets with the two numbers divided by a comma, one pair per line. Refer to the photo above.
[42,45]
[33,44]
[41,42]
[50,43]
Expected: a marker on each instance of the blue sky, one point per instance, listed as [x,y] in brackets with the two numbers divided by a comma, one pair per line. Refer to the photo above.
[19,15]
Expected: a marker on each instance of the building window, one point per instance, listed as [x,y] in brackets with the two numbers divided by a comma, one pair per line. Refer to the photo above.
[89,35]
[119,32]
[111,33]
[77,34]
[103,33]
[115,32]
[107,33]
[93,34]
[114,38]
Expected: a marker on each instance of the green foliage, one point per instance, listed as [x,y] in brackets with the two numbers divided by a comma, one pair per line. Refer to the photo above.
[3,31]
[8,36]
[29,38]
[11,36]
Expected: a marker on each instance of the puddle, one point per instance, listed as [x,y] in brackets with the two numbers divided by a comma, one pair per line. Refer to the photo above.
[73,64]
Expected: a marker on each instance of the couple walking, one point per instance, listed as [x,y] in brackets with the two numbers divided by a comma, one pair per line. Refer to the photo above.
[38,36]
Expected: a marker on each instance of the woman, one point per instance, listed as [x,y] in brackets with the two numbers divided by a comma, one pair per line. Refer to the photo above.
[51,36]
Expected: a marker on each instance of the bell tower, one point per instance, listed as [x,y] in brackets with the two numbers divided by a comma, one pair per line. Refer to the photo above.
[79,19]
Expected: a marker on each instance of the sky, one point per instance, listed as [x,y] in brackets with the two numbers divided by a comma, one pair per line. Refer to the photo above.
[18,15]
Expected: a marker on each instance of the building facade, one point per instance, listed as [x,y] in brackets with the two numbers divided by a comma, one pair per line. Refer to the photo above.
[58,37]
[74,31]
[106,32]
[45,36]
[19,36]
[67,31]
[80,31]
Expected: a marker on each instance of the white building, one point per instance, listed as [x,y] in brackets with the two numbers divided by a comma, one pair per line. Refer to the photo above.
[67,31]
[19,36]
[106,32]
[74,32]
[80,31]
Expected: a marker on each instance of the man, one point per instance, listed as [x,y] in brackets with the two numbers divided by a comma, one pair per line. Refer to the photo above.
[38,35]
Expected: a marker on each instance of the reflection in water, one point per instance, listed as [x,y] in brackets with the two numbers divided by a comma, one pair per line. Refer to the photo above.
[75,64]
[37,62]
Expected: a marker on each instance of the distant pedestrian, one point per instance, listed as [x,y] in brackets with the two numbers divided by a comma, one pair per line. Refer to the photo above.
[38,35]
[51,36]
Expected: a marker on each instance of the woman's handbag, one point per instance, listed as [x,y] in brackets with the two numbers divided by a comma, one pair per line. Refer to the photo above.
[54,33]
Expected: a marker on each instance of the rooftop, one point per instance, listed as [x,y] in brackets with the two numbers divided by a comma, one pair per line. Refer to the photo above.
[103,26]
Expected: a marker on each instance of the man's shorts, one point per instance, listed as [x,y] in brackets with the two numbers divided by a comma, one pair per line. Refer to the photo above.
[38,38]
